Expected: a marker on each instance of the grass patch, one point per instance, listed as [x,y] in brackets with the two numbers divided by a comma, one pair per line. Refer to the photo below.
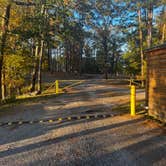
[48,92]
[8,103]
[125,108]
[154,119]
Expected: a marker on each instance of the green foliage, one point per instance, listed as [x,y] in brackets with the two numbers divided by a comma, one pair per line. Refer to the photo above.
[16,68]
[69,24]
[132,59]
[100,60]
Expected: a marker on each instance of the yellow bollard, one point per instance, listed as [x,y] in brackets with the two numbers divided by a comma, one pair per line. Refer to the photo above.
[133,100]
[57,87]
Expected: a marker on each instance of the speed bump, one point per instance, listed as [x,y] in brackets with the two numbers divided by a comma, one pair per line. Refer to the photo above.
[20,122]
[69,118]
[87,117]
[9,123]
[60,119]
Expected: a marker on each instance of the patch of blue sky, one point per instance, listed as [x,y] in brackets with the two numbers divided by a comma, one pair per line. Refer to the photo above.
[129,19]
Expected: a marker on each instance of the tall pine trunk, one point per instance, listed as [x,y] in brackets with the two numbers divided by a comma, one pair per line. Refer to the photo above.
[35,69]
[3,85]
[149,25]
[41,39]
[163,33]
[49,57]
[163,25]
[4,28]
[105,57]
[149,44]
[39,82]
[66,57]
[141,45]
[80,58]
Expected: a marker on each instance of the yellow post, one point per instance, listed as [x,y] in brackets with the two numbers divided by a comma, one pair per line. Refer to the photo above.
[57,87]
[132,100]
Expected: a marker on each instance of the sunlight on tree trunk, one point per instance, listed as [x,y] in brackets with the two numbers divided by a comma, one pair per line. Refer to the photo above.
[141,45]
[4,28]
[35,69]
[150,19]
[3,85]
[39,89]
[163,33]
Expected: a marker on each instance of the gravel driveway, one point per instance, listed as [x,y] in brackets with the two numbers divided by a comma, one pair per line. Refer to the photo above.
[120,140]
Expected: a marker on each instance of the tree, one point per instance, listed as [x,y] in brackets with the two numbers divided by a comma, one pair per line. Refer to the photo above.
[4,29]
[36,29]
[101,19]
[143,24]
[17,68]
[161,25]
[140,25]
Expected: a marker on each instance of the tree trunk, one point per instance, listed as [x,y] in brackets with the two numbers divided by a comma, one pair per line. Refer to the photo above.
[69,56]
[113,64]
[35,68]
[41,39]
[57,59]
[149,25]
[141,45]
[4,28]
[39,89]
[80,58]
[163,33]
[116,65]
[3,85]
[149,43]
[49,57]
[105,57]
[66,58]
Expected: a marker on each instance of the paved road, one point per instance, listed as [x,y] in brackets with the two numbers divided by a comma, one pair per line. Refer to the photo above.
[119,140]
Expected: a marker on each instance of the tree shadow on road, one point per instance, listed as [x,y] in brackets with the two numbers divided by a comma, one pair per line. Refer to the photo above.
[66,137]
[145,152]
[34,130]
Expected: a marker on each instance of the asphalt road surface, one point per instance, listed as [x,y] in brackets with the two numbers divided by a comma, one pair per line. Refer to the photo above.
[120,140]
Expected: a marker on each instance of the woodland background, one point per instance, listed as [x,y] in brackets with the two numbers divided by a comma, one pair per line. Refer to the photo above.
[75,37]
